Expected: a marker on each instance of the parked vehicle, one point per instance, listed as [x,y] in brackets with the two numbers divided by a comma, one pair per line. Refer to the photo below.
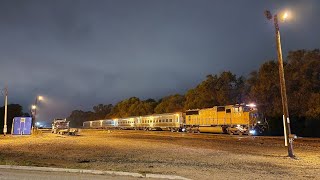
[61,126]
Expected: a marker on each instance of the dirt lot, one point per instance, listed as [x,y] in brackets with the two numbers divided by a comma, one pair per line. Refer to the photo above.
[195,156]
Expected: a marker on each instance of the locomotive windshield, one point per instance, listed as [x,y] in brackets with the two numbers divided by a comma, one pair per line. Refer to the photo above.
[192,112]
[248,109]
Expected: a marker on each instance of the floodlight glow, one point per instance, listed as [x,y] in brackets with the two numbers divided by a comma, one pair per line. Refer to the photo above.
[34,107]
[251,105]
[285,16]
[253,132]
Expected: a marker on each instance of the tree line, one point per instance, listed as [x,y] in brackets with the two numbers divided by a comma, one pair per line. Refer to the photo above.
[14,110]
[302,74]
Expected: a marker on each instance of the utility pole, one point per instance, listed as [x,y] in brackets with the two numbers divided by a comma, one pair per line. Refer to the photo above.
[35,112]
[286,120]
[5,129]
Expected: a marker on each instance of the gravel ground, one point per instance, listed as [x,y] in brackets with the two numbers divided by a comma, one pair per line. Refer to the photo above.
[195,156]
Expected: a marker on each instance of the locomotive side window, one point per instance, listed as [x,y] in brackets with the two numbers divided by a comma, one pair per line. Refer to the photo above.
[192,113]
[228,110]
[220,108]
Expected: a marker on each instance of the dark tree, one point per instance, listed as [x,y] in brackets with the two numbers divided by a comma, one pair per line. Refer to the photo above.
[169,104]
[14,110]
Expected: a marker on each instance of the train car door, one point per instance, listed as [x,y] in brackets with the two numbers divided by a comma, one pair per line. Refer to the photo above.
[228,116]
[221,115]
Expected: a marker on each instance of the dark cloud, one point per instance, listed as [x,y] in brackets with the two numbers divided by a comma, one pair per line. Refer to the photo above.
[80,53]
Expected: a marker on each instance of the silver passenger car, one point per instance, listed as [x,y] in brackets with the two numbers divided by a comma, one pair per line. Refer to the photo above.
[167,121]
[100,124]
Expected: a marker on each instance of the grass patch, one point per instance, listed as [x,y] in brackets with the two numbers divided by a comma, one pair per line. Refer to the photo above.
[36,132]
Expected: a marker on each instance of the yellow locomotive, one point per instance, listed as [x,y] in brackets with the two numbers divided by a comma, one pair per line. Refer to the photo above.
[233,119]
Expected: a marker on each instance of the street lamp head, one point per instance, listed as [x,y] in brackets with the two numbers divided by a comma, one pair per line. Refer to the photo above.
[40,98]
[33,107]
[268,14]
[285,15]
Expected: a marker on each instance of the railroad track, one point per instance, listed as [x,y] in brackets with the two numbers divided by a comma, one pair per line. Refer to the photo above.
[208,136]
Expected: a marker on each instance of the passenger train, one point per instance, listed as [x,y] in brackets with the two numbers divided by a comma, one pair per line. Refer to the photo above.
[238,119]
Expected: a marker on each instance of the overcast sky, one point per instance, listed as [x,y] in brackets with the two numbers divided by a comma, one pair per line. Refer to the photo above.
[78,53]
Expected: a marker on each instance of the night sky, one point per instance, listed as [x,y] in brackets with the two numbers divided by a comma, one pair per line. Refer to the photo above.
[81,53]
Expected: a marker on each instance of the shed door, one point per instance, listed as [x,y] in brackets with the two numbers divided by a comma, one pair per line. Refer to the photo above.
[22,125]
[27,126]
[16,126]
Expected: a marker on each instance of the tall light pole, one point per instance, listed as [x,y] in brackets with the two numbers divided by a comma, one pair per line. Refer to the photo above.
[5,93]
[286,120]
[34,108]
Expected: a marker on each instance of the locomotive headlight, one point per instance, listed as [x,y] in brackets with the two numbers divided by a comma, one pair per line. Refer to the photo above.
[251,105]
[183,129]
[259,122]
[253,132]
